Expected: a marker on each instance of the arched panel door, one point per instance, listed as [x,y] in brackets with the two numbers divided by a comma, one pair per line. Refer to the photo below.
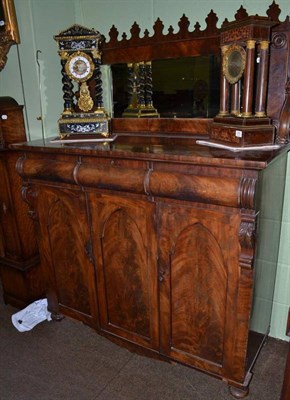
[124,244]
[65,245]
[197,272]
[198,294]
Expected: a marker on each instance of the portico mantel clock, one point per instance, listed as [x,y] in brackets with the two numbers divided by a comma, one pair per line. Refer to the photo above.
[84,113]
[242,120]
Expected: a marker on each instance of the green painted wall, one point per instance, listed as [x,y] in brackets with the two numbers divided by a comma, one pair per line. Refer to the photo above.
[39,20]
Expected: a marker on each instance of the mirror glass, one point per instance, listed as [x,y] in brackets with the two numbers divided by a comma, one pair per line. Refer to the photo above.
[182,88]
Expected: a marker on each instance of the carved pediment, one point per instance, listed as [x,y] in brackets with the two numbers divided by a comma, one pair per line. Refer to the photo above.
[77,31]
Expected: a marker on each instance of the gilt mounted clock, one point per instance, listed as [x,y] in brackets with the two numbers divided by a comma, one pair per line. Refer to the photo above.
[84,113]
[242,120]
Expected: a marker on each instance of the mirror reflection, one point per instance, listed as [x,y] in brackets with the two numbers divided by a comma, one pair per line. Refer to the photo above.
[181,88]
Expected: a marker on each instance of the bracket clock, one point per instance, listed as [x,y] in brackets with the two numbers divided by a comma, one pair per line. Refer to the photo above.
[242,119]
[80,55]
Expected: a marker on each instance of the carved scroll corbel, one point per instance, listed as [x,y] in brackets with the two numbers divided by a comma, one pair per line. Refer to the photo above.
[247,192]
[29,195]
[247,230]
[284,126]
[247,236]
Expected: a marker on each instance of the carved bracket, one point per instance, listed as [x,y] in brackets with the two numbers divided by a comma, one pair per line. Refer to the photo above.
[284,127]
[248,223]
[247,234]
[28,195]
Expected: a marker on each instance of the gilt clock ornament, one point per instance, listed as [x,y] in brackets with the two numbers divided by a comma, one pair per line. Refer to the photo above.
[234,61]
[84,113]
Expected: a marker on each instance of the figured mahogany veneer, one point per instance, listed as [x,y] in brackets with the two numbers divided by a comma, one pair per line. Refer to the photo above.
[151,241]
[19,260]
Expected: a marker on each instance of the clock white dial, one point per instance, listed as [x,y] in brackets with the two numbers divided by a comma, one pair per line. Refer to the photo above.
[79,67]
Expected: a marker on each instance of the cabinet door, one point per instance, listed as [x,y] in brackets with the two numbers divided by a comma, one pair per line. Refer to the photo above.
[65,248]
[9,242]
[198,273]
[125,248]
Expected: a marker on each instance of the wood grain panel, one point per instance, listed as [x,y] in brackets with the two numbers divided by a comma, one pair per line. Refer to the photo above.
[64,238]
[207,189]
[124,255]
[111,177]
[125,248]
[198,294]
[199,276]
[25,227]
[19,261]
[192,126]
[67,255]
[10,237]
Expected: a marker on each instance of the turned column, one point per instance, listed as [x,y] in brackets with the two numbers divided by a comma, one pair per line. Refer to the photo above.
[249,79]
[235,98]
[141,85]
[224,90]
[98,101]
[148,85]
[261,95]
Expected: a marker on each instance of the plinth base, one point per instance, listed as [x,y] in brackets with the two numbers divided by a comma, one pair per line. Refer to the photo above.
[96,123]
[141,113]
[243,131]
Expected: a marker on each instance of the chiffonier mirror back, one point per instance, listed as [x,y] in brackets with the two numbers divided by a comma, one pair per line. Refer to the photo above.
[148,52]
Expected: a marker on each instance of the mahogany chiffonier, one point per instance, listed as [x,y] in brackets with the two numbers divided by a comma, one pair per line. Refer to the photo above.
[152,241]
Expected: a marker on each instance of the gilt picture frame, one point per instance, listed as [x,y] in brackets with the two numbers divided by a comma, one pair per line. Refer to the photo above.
[9,33]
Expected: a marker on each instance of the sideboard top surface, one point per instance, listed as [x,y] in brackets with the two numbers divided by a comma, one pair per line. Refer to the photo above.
[162,148]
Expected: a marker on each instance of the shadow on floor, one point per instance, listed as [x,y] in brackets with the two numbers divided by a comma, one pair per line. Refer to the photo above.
[68,360]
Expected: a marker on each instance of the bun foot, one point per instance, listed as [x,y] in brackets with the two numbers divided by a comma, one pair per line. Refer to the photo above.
[238,393]
[56,316]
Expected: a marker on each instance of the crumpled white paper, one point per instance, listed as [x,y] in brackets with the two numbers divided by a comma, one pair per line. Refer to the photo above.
[30,316]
